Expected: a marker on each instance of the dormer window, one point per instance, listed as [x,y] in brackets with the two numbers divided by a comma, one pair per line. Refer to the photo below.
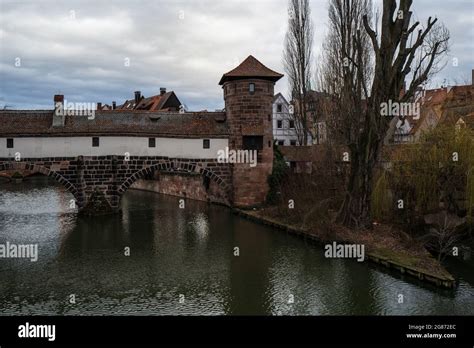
[279,107]
[251,88]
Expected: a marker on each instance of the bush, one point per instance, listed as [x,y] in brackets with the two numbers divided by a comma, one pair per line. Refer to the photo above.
[280,170]
[428,177]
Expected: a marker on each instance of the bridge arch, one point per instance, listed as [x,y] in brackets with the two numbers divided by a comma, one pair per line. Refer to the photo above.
[177,167]
[28,169]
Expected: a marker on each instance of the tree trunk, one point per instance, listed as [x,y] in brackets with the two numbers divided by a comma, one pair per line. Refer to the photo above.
[356,209]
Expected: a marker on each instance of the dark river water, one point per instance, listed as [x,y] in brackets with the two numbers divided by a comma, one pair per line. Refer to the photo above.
[182,263]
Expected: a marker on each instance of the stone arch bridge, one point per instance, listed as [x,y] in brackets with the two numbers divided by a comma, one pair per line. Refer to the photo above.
[98,182]
[99,154]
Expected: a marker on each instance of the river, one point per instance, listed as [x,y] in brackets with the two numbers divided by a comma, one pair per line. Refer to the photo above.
[182,262]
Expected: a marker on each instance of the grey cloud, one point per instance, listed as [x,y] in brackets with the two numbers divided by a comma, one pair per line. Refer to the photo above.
[79,47]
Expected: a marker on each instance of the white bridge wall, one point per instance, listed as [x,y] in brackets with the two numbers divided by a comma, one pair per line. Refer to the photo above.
[38,147]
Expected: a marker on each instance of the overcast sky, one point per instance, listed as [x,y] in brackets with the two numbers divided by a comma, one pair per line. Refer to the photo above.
[100,51]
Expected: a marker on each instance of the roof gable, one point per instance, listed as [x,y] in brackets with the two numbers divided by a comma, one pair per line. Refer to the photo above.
[280,98]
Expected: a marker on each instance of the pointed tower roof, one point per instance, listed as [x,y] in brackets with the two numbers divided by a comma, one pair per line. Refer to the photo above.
[251,68]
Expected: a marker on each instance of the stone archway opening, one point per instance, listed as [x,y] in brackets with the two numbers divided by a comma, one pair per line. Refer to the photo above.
[18,172]
[188,181]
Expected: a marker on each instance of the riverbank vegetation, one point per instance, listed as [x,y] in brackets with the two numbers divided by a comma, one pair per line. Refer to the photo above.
[400,200]
[423,199]
[428,188]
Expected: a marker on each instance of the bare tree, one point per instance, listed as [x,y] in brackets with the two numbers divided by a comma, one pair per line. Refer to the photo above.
[442,236]
[378,57]
[345,69]
[297,59]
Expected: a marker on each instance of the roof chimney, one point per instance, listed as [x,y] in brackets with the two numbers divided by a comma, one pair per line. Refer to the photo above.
[58,98]
[58,117]
[162,90]
[114,105]
[137,97]
[99,106]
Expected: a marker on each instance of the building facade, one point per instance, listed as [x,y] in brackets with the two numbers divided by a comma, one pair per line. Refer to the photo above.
[284,130]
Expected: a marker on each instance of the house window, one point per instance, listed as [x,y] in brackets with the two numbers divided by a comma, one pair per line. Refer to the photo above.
[95,142]
[279,124]
[279,107]
[281,142]
[293,142]
[252,88]
[251,142]
[292,124]
[9,143]
[206,143]
[151,142]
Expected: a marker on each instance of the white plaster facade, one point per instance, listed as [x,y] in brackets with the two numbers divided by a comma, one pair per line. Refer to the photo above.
[38,147]
[284,131]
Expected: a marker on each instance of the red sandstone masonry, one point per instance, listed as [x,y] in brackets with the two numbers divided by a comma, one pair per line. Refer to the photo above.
[250,114]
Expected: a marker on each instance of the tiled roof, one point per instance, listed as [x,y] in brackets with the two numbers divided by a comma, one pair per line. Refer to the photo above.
[251,68]
[115,122]
[448,105]
[128,105]
[153,103]
[459,103]
[435,96]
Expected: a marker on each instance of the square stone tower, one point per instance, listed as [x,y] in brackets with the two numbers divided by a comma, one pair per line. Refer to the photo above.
[248,94]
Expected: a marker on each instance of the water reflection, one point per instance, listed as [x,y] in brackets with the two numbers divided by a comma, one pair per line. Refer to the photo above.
[187,254]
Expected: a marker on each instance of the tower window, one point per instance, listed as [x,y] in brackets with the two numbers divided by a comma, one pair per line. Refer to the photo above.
[206,143]
[252,88]
[151,142]
[9,143]
[251,142]
[95,142]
